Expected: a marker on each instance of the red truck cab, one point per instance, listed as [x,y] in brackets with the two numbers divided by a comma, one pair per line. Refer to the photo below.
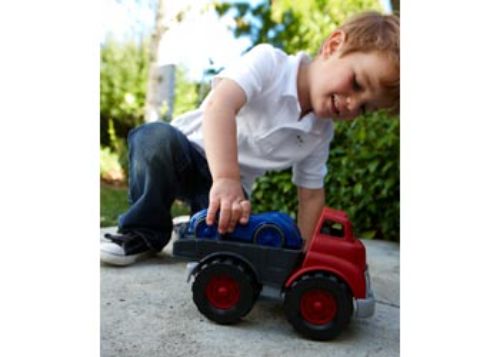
[334,249]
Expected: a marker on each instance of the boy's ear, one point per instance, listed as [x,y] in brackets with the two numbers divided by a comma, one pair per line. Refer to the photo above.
[333,43]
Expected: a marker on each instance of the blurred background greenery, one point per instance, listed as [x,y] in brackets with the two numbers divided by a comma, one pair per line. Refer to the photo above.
[363,167]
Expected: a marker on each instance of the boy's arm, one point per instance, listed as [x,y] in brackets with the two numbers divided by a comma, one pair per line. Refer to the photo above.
[219,132]
[311,203]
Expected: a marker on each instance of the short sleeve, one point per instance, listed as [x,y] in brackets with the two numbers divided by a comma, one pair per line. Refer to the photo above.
[253,71]
[310,172]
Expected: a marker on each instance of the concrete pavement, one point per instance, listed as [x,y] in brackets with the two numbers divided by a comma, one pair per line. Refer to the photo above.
[147,310]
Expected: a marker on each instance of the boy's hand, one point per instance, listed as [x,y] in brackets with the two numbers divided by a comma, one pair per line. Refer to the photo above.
[227,196]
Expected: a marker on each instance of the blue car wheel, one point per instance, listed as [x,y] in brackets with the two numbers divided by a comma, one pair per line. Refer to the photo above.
[203,230]
[269,235]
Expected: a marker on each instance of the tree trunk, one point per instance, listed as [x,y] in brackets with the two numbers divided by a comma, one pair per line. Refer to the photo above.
[151,109]
[395,7]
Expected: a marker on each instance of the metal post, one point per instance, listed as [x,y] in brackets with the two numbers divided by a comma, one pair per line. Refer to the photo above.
[163,94]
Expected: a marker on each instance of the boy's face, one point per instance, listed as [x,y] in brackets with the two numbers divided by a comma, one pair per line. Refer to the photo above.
[343,87]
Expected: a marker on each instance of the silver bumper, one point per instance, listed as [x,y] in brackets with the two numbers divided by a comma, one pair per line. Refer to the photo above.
[365,307]
[190,267]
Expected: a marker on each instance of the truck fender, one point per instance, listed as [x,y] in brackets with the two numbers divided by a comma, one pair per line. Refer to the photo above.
[319,268]
[194,267]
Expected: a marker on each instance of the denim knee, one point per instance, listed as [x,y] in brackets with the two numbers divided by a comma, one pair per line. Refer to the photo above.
[158,143]
[149,140]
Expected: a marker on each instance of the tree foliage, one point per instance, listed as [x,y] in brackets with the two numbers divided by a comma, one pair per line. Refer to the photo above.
[363,166]
[314,20]
[124,72]
[186,93]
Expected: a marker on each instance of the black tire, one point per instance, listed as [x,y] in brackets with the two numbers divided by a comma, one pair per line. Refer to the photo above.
[257,291]
[318,306]
[269,228]
[224,291]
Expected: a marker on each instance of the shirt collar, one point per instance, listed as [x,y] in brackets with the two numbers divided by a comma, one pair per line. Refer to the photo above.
[307,122]
[290,89]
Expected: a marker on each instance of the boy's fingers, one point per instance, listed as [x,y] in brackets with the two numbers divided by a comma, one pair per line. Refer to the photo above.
[246,208]
[213,207]
[224,216]
[236,211]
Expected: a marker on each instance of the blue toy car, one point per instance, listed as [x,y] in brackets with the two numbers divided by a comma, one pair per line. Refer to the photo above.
[274,229]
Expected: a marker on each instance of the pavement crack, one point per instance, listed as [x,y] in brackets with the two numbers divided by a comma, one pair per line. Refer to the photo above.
[387,303]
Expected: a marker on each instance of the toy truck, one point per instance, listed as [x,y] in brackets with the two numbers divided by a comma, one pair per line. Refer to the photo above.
[322,286]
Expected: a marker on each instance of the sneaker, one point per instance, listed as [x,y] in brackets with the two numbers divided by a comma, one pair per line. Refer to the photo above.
[181,224]
[124,249]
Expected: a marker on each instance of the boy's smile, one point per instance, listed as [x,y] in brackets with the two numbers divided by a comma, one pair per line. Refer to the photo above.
[343,87]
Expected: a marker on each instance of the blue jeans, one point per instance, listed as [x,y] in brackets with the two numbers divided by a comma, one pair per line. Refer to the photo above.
[163,166]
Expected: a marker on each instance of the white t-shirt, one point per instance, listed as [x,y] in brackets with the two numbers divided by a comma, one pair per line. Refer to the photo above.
[271,135]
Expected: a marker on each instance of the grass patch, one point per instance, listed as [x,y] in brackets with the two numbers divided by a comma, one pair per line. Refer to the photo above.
[114,202]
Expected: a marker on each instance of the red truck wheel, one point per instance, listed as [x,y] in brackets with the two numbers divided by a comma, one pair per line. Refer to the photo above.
[318,306]
[223,291]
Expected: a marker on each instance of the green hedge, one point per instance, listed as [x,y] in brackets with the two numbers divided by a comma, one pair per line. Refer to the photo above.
[362,179]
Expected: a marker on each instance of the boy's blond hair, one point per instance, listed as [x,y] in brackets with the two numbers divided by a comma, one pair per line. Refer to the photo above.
[375,32]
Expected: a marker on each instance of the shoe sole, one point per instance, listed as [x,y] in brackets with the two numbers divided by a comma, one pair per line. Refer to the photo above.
[120,260]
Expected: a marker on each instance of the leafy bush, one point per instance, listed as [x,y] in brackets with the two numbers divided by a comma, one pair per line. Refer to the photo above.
[123,75]
[109,164]
[186,93]
[307,23]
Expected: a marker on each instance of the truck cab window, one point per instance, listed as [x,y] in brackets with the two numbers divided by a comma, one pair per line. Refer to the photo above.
[332,228]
